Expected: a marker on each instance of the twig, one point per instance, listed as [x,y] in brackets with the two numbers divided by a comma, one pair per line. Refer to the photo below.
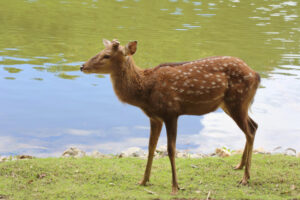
[150,192]
[208,195]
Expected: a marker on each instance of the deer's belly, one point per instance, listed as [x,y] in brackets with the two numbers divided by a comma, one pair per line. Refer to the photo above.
[201,107]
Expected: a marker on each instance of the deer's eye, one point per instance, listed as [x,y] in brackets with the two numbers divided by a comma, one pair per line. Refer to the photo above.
[106,56]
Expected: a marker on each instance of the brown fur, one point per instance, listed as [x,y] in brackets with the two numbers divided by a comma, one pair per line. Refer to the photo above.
[187,88]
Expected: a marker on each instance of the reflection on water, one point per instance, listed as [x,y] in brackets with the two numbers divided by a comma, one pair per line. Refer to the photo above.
[48,105]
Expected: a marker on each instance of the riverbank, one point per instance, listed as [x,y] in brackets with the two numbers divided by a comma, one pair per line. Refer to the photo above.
[160,152]
[272,177]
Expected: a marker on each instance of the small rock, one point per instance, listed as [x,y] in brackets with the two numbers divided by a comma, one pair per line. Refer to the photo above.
[97,154]
[133,152]
[240,151]
[196,155]
[3,159]
[182,154]
[162,150]
[222,152]
[277,150]
[73,152]
[260,150]
[20,157]
[290,152]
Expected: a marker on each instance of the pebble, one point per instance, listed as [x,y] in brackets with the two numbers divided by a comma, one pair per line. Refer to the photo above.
[132,152]
[160,152]
[73,152]
[260,150]
[222,153]
[97,154]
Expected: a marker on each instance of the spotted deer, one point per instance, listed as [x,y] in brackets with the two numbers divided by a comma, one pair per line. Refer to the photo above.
[188,88]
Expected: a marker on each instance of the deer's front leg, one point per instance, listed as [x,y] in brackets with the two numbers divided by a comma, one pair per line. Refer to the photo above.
[155,130]
[171,126]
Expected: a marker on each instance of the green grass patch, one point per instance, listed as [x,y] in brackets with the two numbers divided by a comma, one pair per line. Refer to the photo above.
[272,177]
[12,69]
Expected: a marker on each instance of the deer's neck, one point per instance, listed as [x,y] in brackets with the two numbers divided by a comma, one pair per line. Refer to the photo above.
[127,81]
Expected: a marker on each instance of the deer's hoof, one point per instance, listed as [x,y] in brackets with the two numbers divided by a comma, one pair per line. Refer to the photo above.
[175,190]
[143,182]
[244,182]
[238,167]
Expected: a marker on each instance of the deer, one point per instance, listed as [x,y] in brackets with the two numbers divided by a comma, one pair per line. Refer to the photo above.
[170,90]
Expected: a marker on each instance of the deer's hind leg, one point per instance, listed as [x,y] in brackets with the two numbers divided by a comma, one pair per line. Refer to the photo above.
[238,111]
[243,160]
[253,126]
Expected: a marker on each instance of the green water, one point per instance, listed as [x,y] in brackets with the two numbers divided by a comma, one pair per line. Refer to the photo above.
[43,43]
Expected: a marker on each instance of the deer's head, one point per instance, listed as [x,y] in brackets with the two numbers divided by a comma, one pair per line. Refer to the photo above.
[111,56]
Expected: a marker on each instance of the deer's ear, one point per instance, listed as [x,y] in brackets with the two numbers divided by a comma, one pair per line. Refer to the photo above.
[115,44]
[130,48]
[106,42]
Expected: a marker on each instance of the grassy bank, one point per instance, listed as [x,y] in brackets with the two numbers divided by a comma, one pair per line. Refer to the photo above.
[273,177]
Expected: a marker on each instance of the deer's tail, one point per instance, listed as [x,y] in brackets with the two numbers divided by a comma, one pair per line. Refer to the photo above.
[257,83]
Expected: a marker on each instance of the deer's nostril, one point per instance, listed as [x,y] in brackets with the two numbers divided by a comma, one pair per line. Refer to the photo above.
[81,68]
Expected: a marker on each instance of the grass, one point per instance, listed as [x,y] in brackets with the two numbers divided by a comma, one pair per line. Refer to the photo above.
[273,177]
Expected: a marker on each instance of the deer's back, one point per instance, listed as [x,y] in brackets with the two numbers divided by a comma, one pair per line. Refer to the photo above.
[200,86]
